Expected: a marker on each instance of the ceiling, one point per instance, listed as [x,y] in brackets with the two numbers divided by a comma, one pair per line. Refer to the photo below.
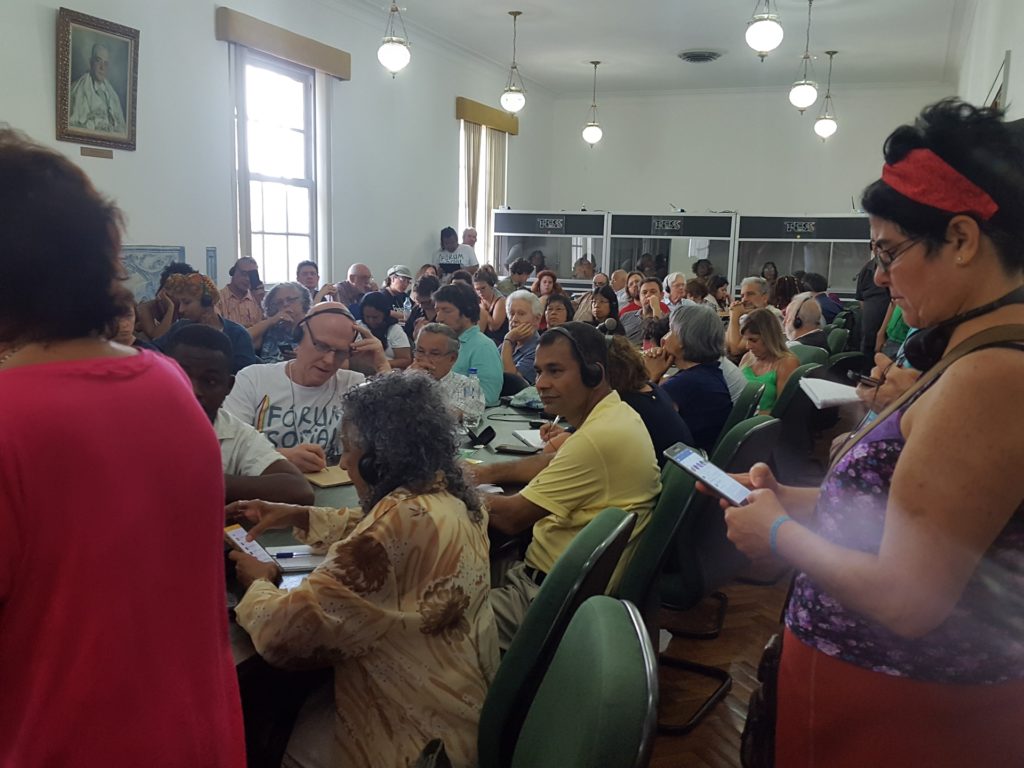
[637,41]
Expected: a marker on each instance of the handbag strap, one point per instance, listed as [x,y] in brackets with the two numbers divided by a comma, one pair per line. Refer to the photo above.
[1000,334]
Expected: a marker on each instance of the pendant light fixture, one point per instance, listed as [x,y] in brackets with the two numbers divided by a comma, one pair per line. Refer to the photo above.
[513,98]
[592,132]
[804,92]
[764,32]
[826,125]
[393,53]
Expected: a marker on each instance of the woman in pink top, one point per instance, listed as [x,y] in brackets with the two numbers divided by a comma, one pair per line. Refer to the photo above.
[113,636]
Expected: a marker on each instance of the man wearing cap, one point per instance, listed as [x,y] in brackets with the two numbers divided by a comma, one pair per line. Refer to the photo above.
[396,288]
[452,256]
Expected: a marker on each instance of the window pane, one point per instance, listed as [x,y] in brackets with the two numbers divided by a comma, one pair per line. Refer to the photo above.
[847,261]
[275,259]
[274,207]
[298,210]
[256,206]
[298,250]
[274,98]
[257,250]
[275,151]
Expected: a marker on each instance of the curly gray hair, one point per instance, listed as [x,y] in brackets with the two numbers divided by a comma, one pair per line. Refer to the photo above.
[405,422]
[270,304]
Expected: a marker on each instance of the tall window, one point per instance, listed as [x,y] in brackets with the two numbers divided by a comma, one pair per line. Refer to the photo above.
[482,157]
[276,163]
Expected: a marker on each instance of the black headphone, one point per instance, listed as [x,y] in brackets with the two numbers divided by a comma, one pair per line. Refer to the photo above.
[341,309]
[368,467]
[591,374]
[926,347]
[798,322]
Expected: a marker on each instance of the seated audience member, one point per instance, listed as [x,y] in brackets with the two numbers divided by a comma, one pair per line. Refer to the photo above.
[697,292]
[718,289]
[768,360]
[435,353]
[703,270]
[699,390]
[818,285]
[113,626]
[519,272]
[520,344]
[357,284]
[122,330]
[604,308]
[632,293]
[307,274]
[536,259]
[675,289]
[469,237]
[458,308]
[400,606]
[461,276]
[628,376]
[803,322]
[297,404]
[617,281]
[782,291]
[581,311]
[423,310]
[558,311]
[608,461]
[452,256]
[252,468]
[544,286]
[197,297]
[376,311]
[893,332]
[427,269]
[493,305]
[238,300]
[583,269]
[284,306]
[754,294]
[649,307]
[156,315]
[396,289]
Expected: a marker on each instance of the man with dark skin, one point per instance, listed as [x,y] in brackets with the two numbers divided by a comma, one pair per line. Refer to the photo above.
[252,468]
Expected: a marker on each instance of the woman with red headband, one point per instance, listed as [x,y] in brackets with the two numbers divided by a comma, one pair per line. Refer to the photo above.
[904,641]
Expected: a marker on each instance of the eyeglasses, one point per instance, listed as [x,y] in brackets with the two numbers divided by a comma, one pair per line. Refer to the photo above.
[431,354]
[884,257]
[340,355]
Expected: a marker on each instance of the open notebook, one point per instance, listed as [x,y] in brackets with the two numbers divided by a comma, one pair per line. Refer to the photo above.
[827,394]
[530,437]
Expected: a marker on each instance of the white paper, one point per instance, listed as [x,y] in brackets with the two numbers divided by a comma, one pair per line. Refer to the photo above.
[530,437]
[828,394]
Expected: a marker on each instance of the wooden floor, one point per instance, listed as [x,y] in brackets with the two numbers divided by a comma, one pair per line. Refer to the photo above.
[752,617]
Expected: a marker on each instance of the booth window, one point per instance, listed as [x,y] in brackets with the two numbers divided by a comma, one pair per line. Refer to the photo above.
[276,162]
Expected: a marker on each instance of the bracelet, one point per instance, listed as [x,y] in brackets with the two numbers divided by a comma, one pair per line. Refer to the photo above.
[773,533]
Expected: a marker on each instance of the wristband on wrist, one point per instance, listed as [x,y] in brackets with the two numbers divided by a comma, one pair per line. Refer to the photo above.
[773,533]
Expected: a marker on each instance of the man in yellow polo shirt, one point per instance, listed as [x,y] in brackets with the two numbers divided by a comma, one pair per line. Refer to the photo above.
[608,461]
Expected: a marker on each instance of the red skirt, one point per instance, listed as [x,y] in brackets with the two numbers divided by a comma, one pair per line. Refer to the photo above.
[832,714]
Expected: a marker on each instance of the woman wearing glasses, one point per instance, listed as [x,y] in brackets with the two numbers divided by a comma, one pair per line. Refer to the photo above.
[904,638]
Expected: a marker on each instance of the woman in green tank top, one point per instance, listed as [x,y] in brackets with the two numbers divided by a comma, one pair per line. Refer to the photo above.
[768,360]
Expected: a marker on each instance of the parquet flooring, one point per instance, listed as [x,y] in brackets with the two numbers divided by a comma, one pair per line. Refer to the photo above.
[751,619]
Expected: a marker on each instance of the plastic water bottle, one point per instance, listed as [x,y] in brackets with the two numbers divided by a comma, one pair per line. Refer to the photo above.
[472,402]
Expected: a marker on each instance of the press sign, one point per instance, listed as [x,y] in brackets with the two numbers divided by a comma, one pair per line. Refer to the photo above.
[552,224]
[800,226]
[666,226]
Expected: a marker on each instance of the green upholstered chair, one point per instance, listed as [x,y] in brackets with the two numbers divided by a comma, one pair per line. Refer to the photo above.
[792,389]
[744,407]
[582,571]
[792,457]
[805,353]
[837,339]
[597,705]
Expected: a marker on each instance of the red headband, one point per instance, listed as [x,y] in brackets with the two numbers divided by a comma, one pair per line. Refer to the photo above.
[926,178]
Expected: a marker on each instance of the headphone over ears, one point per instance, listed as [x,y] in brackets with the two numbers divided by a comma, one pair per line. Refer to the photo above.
[368,467]
[341,309]
[591,374]
[798,322]
[925,348]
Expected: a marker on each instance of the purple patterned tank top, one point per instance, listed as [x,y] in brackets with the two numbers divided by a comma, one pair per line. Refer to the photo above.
[982,640]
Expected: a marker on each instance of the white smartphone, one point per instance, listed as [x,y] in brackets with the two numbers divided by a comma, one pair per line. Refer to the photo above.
[713,477]
[235,536]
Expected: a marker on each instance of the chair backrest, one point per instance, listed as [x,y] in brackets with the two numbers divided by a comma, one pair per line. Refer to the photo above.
[744,407]
[785,398]
[582,571]
[805,353]
[597,706]
[837,340]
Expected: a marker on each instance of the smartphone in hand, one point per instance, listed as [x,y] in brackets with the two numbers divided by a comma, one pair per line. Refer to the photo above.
[713,477]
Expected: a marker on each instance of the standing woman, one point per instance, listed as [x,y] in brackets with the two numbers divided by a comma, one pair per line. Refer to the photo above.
[493,312]
[770,272]
[768,360]
[107,626]
[904,638]
[385,327]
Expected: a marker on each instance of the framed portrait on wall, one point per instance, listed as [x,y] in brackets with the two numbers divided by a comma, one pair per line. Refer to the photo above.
[97,80]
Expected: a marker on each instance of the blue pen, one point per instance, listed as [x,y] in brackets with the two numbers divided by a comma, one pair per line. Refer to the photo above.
[286,555]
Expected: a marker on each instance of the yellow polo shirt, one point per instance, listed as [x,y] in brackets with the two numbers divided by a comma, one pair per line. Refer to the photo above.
[608,462]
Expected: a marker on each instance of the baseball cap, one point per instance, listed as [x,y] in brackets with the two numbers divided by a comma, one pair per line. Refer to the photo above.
[400,270]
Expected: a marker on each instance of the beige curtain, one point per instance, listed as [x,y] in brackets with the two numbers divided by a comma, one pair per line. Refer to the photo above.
[494,195]
[472,134]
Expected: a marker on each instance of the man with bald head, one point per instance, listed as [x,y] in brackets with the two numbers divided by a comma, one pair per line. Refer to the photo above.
[618,283]
[94,104]
[356,285]
[296,404]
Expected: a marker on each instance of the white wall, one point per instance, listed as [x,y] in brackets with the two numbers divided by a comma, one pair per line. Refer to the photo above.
[746,151]
[998,26]
[394,147]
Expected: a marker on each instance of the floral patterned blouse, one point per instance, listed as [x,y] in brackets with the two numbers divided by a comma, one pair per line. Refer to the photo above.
[399,608]
[982,640]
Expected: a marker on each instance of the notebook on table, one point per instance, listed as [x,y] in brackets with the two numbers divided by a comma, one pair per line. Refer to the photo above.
[329,477]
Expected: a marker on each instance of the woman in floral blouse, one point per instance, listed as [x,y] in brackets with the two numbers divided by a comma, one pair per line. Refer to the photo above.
[399,607]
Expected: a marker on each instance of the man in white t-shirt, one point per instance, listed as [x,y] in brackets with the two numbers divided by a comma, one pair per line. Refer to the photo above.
[252,468]
[452,256]
[297,404]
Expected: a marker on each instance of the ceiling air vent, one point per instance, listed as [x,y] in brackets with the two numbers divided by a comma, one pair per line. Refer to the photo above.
[699,55]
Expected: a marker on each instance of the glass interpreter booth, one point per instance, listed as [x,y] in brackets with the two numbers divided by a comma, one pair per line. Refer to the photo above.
[572,245]
[833,246]
[658,244]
